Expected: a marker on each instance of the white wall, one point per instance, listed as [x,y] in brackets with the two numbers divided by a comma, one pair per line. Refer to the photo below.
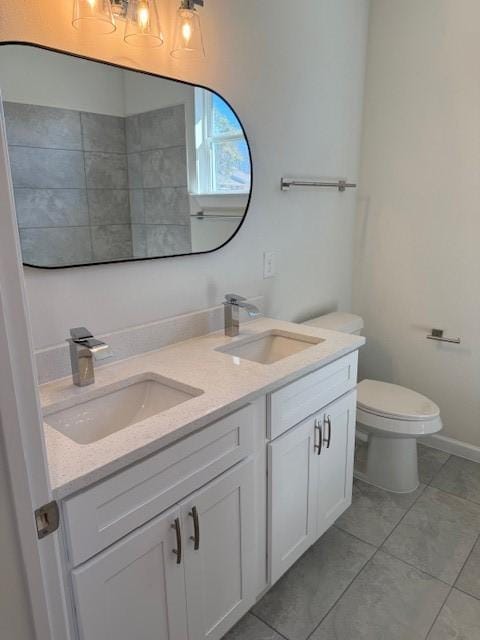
[295,75]
[146,93]
[418,263]
[15,623]
[71,83]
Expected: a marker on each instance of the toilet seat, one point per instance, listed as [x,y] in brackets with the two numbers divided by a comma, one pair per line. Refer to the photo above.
[395,410]
[394,401]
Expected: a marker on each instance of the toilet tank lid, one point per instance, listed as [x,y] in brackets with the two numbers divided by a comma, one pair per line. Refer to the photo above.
[338,321]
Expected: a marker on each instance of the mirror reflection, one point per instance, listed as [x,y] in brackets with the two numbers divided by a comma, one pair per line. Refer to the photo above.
[112,165]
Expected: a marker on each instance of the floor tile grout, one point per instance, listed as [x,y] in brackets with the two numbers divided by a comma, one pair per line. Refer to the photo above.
[336,526]
[341,594]
[337,601]
[455,495]
[267,624]
[438,613]
[404,515]
[381,548]
[452,587]
[413,566]
[437,472]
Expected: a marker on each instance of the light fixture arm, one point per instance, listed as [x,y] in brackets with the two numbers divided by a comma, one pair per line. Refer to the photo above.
[119,8]
[190,4]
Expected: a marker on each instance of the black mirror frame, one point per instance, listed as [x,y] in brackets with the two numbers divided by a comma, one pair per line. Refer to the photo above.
[153,75]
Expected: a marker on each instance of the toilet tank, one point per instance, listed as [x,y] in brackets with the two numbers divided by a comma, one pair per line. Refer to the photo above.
[338,321]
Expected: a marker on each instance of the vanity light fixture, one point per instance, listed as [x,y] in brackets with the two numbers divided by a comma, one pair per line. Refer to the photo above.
[142,25]
[93,16]
[188,41]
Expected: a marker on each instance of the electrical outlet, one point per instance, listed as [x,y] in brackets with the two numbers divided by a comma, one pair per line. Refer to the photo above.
[268,264]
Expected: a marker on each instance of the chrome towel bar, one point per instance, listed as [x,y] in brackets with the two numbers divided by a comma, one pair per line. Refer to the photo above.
[342,184]
[213,216]
[437,334]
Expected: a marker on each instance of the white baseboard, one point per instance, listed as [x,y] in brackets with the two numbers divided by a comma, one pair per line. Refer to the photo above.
[452,446]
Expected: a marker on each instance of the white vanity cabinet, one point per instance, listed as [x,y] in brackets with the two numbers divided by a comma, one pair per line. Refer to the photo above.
[188,574]
[179,545]
[311,464]
[135,589]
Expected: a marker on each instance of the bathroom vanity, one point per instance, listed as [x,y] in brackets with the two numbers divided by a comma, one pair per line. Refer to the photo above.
[174,521]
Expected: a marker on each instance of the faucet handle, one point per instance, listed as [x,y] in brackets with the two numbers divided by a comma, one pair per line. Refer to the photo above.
[233,298]
[80,334]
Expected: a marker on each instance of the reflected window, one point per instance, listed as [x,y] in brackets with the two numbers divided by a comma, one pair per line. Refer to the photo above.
[222,158]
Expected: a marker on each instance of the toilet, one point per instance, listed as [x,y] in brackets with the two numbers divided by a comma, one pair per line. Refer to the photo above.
[390,417]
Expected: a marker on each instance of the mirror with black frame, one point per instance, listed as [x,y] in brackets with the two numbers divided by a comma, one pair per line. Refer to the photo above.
[111,165]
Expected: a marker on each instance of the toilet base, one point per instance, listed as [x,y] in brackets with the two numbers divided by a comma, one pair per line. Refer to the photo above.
[391,464]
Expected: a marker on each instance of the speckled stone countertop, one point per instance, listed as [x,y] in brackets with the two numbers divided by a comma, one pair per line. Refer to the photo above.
[227,383]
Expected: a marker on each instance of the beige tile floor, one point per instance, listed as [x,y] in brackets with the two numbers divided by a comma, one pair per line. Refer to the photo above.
[394,567]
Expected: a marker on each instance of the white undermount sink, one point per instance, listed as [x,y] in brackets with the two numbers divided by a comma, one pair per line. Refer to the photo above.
[270,346]
[94,418]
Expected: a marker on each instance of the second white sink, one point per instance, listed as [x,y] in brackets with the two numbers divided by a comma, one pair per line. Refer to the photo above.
[94,418]
[270,346]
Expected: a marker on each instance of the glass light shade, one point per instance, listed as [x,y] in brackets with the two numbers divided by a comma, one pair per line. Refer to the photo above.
[188,42]
[142,27]
[93,16]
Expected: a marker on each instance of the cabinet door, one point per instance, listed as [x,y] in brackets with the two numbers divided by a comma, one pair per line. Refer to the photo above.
[292,502]
[135,589]
[218,522]
[335,462]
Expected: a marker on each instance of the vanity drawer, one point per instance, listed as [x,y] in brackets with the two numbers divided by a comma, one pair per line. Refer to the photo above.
[296,401]
[97,517]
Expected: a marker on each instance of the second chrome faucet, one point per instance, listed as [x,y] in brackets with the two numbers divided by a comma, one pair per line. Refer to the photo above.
[233,303]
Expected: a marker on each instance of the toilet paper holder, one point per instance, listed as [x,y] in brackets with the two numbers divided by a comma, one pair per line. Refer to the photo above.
[437,334]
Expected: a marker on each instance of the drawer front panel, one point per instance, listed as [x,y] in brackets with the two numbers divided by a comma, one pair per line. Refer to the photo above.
[295,402]
[109,510]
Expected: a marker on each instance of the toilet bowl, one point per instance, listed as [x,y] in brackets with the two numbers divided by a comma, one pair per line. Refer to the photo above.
[392,417]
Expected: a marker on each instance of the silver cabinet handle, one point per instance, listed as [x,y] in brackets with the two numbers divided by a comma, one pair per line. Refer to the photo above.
[196,528]
[327,421]
[178,533]
[318,428]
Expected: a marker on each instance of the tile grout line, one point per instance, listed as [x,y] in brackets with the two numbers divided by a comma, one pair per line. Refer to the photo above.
[452,587]
[404,516]
[392,555]
[429,484]
[341,594]
[267,624]
[383,550]
[438,613]
[455,495]
[463,567]
[337,601]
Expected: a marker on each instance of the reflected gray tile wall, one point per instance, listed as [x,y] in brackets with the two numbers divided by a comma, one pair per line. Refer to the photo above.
[109,206]
[51,207]
[157,174]
[47,168]
[69,171]
[33,126]
[169,205]
[111,242]
[167,239]
[103,133]
[56,246]
[164,168]
[92,187]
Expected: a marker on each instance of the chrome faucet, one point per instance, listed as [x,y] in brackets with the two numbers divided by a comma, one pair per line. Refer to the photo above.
[233,303]
[84,348]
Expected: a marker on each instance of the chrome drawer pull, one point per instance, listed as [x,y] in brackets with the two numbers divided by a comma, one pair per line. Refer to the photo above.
[178,533]
[318,447]
[327,421]
[196,528]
